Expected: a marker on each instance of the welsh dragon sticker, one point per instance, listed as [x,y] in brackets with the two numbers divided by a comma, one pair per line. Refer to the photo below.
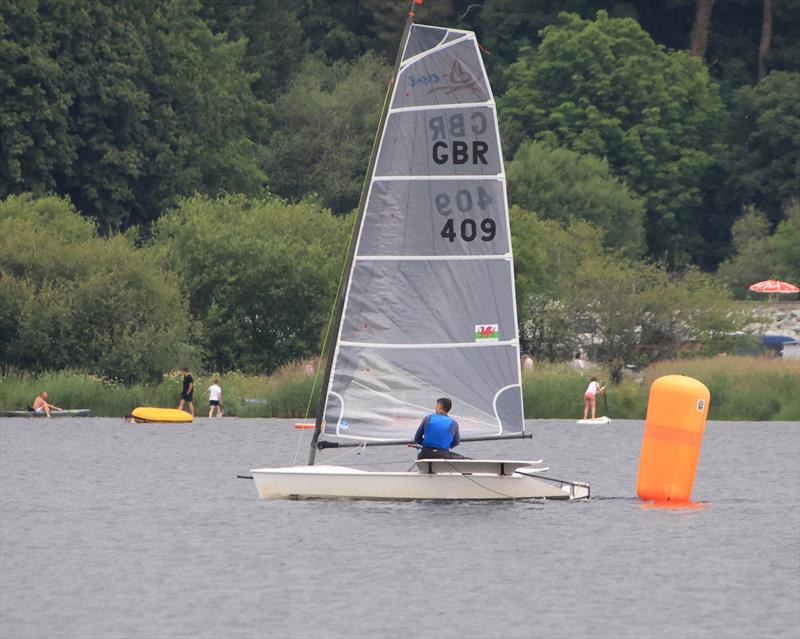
[487,333]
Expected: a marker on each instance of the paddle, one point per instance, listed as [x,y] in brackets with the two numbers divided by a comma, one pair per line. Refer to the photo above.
[605,401]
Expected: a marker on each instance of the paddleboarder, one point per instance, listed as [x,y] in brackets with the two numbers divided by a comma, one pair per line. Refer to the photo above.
[589,397]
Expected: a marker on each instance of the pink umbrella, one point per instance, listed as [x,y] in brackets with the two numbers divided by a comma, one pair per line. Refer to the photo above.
[774,286]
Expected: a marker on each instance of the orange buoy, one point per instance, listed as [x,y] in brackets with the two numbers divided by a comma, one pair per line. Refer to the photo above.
[673,432]
[300,425]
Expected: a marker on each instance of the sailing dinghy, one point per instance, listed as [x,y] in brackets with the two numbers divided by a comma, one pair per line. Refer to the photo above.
[428,309]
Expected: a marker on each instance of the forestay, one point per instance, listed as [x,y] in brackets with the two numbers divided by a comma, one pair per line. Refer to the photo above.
[429,309]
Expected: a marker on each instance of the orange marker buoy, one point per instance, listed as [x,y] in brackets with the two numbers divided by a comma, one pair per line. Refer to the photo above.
[673,432]
[299,425]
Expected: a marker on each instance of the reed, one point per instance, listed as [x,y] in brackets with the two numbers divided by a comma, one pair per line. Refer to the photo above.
[742,388]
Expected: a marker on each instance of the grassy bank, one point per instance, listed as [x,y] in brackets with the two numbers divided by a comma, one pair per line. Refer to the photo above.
[284,394]
[742,388]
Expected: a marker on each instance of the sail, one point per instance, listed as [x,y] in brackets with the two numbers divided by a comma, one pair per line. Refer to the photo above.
[429,309]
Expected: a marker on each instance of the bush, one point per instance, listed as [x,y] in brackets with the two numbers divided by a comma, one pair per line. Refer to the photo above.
[260,275]
[74,300]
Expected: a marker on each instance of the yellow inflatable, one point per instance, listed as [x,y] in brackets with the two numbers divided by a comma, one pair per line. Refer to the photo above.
[149,414]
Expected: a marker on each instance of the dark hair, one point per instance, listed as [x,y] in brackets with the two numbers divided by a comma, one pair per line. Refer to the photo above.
[594,379]
[445,403]
[184,369]
[577,355]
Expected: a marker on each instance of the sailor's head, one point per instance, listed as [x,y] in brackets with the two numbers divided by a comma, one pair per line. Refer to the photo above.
[443,405]
[184,370]
[43,394]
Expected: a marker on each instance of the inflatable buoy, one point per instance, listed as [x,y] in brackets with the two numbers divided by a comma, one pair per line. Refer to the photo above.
[673,433]
[299,425]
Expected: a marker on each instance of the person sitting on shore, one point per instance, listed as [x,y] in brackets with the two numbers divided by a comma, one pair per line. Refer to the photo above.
[40,405]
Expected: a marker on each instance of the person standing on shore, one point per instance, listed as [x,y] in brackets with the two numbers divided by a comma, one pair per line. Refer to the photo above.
[589,397]
[527,364]
[187,392]
[215,399]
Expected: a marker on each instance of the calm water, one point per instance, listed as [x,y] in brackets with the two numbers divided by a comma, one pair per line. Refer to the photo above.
[110,529]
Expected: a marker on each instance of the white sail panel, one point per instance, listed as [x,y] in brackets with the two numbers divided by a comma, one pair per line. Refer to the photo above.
[429,307]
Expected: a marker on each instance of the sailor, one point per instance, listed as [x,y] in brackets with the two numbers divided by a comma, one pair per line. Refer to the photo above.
[438,433]
[589,399]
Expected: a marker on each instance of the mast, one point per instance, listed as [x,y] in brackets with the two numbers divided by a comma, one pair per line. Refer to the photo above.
[362,205]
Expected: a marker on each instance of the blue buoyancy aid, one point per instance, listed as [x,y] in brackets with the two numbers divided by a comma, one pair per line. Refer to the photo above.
[439,432]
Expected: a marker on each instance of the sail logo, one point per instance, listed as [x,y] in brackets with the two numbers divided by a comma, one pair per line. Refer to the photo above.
[458,80]
[487,332]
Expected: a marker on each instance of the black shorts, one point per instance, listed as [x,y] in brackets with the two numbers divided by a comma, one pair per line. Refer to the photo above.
[187,397]
[213,402]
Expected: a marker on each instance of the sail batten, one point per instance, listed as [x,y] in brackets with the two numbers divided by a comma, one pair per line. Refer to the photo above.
[429,308]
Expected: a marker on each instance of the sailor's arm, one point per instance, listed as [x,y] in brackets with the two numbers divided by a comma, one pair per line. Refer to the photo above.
[419,436]
[454,430]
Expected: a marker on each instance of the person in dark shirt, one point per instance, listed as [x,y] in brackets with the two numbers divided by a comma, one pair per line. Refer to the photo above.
[187,392]
[438,433]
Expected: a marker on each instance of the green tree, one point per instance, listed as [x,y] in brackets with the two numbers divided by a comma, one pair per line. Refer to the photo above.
[274,39]
[564,185]
[760,256]
[750,261]
[124,107]
[765,148]
[73,300]
[603,87]
[260,274]
[324,130]
[785,247]
[35,138]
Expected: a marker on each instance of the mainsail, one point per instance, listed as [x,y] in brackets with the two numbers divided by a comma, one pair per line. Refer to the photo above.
[429,309]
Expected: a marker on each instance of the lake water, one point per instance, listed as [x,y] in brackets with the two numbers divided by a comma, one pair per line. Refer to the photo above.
[109,529]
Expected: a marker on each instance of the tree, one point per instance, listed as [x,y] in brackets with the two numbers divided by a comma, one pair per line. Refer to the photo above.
[564,185]
[766,38]
[35,137]
[324,129]
[750,262]
[603,87]
[764,159]
[260,275]
[274,36]
[124,107]
[73,300]
[785,247]
[699,35]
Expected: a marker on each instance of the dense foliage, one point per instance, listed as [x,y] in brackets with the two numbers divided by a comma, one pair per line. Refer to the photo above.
[650,147]
[69,298]
[260,276]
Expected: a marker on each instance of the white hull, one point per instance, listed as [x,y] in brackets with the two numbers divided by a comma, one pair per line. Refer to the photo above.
[337,482]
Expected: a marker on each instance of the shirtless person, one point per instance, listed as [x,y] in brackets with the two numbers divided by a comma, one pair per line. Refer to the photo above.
[40,405]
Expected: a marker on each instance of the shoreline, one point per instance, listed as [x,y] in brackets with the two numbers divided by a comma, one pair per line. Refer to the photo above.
[742,389]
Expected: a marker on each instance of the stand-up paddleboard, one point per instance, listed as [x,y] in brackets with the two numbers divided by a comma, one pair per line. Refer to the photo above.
[149,415]
[596,420]
[76,412]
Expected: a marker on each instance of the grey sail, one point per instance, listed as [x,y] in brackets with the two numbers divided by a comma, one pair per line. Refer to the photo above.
[429,308]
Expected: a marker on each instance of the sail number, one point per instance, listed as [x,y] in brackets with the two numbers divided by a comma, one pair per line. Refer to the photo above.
[464,201]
